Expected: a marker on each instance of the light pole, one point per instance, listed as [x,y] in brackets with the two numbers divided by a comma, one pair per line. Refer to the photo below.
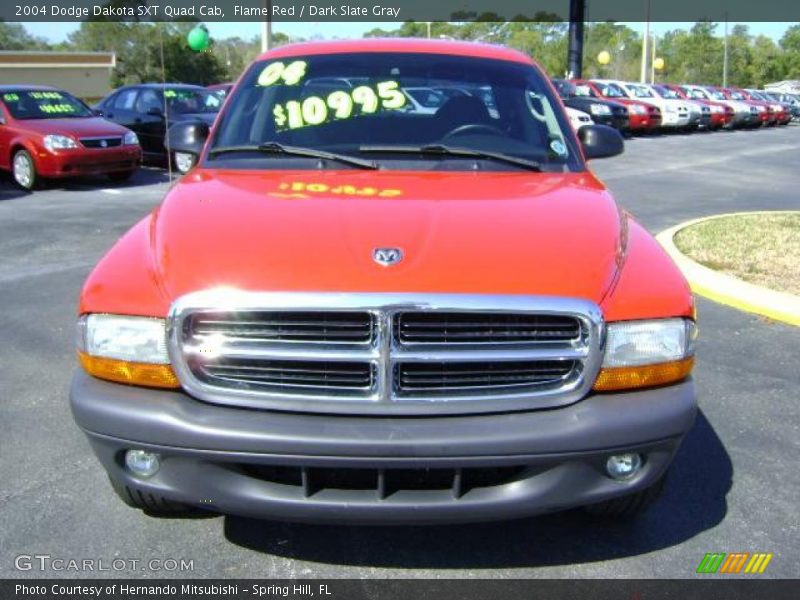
[266,27]
[725,56]
[645,42]
[653,62]
[577,14]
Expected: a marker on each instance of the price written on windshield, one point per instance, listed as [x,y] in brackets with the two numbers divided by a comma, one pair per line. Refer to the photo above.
[341,104]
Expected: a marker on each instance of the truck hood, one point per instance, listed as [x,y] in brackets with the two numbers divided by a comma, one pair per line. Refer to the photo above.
[460,232]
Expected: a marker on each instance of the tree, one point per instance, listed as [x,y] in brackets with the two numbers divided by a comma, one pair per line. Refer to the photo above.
[766,64]
[621,42]
[139,46]
[14,37]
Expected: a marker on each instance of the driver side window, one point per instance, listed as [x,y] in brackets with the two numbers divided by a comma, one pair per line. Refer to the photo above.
[125,99]
[148,100]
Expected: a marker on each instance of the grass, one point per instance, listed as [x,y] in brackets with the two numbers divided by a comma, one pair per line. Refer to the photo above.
[763,249]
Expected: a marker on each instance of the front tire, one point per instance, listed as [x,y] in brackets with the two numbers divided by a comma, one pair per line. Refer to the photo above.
[24,170]
[629,506]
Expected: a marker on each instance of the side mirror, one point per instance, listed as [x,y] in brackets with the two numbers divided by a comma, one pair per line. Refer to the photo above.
[187,137]
[154,111]
[600,141]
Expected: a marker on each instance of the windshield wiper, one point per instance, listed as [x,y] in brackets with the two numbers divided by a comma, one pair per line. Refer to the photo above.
[443,150]
[277,148]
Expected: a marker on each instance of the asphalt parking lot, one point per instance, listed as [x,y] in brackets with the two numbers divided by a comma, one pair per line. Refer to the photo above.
[734,485]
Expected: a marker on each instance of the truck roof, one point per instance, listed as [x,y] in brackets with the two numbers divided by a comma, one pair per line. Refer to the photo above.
[424,46]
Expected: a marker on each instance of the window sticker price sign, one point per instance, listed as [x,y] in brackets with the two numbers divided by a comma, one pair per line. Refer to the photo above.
[339,105]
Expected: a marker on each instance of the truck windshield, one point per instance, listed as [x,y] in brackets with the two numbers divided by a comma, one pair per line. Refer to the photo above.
[44,104]
[350,104]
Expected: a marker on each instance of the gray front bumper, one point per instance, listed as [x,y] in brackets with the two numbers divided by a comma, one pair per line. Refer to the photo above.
[206,451]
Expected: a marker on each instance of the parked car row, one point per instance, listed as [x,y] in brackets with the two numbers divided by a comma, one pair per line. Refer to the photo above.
[48,133]
[641,107]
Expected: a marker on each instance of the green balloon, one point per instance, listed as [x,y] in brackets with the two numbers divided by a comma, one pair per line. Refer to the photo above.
[198,38]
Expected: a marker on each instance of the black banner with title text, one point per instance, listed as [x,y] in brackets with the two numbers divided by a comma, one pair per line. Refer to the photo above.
[400,589]
[396,10]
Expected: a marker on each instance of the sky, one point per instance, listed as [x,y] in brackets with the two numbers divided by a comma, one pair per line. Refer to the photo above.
[57,32]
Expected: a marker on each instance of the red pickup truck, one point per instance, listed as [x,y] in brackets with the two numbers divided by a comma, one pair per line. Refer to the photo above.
[353,311]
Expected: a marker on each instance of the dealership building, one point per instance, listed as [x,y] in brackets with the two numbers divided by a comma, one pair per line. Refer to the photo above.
[84,74]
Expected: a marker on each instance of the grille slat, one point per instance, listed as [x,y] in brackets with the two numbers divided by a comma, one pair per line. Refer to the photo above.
[455,328]
[292,376]
[413,378]
[279,326]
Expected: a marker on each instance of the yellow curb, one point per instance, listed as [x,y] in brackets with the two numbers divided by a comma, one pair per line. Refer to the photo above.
[729,290]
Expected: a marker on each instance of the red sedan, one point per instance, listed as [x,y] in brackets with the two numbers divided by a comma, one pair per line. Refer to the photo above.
[642,115]
[48,133]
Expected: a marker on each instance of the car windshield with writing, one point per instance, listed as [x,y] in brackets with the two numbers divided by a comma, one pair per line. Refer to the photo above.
[44,104]
[402,111]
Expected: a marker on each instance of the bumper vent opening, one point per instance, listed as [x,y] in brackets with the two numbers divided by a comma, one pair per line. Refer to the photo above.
[383,483]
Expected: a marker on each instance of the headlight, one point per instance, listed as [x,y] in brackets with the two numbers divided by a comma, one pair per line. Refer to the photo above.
[599,109]
[130,139]
[761,108]
[59,142]
[125,349]
[670,108]
[717,109]
[647,353]
[639,109]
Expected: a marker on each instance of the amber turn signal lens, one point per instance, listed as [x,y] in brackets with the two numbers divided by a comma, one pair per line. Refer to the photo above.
[122,371]
[626,378]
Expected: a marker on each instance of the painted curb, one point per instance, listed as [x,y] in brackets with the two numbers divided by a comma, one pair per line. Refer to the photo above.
[728,290]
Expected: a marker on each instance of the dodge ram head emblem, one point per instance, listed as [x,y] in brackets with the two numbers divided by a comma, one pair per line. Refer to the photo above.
[103,144]
[387,256]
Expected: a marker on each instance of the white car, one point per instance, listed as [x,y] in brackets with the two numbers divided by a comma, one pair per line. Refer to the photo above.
[578,118]
[674,113]
[699,113]
[424,100]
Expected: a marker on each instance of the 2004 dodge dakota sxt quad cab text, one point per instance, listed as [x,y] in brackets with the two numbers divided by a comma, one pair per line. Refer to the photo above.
[354,310]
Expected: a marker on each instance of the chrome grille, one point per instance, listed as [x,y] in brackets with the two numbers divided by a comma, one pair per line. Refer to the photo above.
[489,328]
[101,142]
[448,377]
[400,354]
